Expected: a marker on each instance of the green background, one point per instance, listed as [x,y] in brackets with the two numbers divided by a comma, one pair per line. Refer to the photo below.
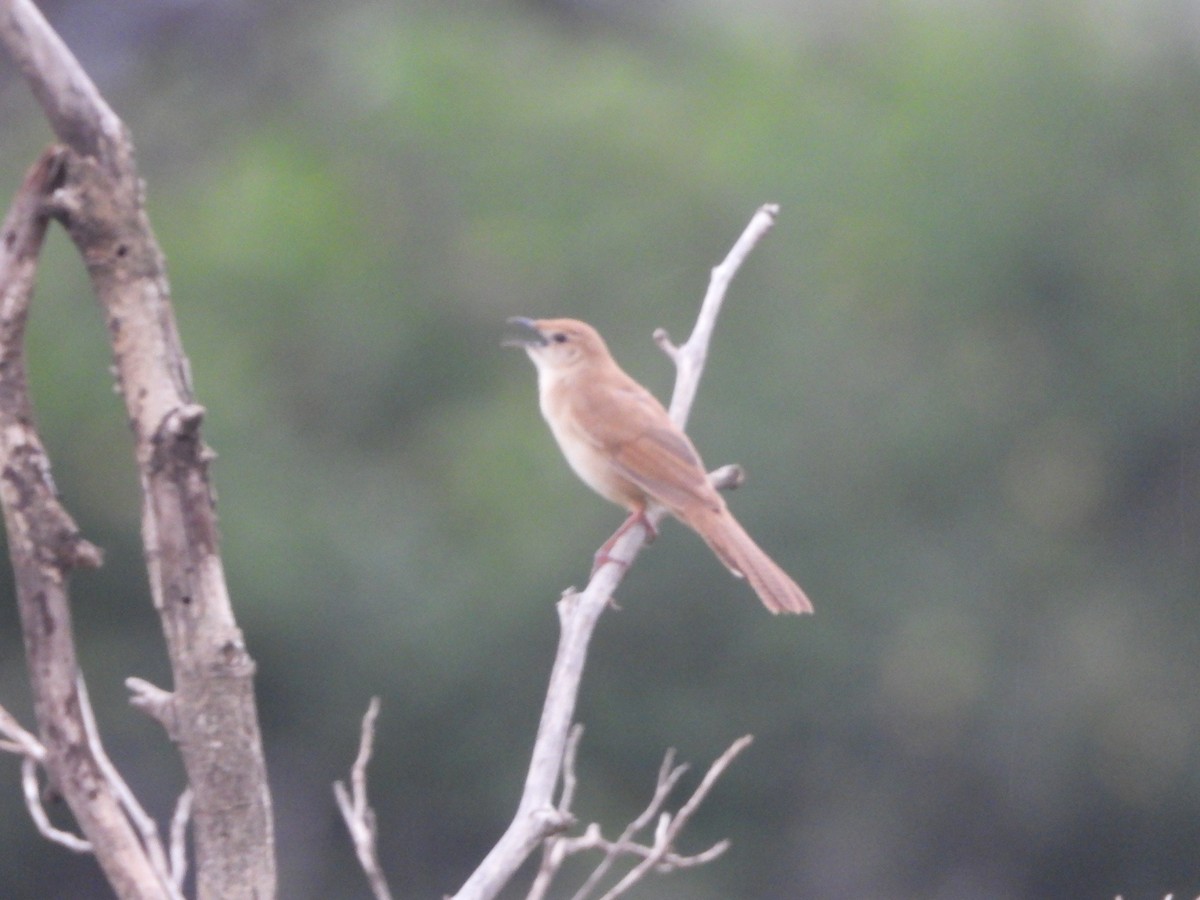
[961,372]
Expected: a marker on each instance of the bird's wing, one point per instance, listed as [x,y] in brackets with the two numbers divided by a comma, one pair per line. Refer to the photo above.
[645,446]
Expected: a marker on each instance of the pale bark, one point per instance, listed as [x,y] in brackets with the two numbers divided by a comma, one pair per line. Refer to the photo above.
[210,712]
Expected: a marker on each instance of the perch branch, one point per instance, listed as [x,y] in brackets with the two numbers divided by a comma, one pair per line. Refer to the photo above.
[536,817]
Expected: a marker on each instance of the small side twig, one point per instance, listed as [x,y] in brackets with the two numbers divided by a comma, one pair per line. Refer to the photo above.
[146,829]
[660,855]
[20,742]
[179,824]
[672,827]
[154,702]
[357,812]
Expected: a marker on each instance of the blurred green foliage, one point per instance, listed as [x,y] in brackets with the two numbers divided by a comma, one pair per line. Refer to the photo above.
[961,372]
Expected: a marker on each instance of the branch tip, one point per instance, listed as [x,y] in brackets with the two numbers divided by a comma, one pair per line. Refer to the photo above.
[729,477]
[356,809]
[663,339]
[154,702]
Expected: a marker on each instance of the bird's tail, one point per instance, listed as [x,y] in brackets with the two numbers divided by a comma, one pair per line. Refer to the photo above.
[745,559]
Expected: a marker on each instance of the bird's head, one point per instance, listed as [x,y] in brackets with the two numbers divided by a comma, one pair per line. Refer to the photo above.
[557,345]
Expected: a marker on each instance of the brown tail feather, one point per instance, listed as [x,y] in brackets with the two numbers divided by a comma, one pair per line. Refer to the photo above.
[745,559]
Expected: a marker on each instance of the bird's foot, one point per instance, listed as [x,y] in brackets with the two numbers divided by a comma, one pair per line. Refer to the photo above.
[603,555]
[602,558]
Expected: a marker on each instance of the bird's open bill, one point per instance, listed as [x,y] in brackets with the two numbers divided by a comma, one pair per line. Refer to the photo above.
[528,333]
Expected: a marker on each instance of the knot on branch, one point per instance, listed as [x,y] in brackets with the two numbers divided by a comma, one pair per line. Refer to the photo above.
[81,199]
[177,439]
[234,661]
[567,602]
[184,421]
[52,536]
[77,552]
[550,820]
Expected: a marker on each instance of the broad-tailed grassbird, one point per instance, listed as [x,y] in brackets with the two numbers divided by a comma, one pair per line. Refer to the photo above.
[619,439]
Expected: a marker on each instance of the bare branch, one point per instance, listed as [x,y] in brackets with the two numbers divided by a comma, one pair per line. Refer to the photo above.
[154,702]
[665,840]
[536,817]
[356,810]
[691,356]
[668,776]
[97,195]
[570,781]
[45,545]
[73,105]
[661,855]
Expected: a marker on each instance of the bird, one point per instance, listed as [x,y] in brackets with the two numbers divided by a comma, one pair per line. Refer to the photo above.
[619,439]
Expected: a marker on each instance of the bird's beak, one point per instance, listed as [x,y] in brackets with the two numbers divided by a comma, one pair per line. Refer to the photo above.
[529,336]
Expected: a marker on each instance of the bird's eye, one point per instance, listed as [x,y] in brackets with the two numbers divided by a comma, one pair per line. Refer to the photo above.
[559,337]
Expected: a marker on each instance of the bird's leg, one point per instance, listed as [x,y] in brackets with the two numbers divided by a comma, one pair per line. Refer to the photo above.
[638,516]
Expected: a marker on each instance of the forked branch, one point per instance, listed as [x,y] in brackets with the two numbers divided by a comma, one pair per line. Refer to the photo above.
[92,187]
[45,545]
[658,855]
[356,810]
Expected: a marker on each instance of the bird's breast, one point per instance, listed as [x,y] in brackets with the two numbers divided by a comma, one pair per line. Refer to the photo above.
[589,460]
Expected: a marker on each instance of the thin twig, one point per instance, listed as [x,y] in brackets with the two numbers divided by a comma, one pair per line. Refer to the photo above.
[19,740]
[360,818]
[668,776]
[661,855]
[179,824]
[691,356]
[37,812]
[144,825]
[664,842]
[23,743]
[553,853]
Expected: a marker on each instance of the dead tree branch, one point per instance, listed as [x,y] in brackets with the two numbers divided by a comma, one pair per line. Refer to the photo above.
[658,856]
[91,185]
[537,817]
[21,742]
[356,810]
[45,546]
